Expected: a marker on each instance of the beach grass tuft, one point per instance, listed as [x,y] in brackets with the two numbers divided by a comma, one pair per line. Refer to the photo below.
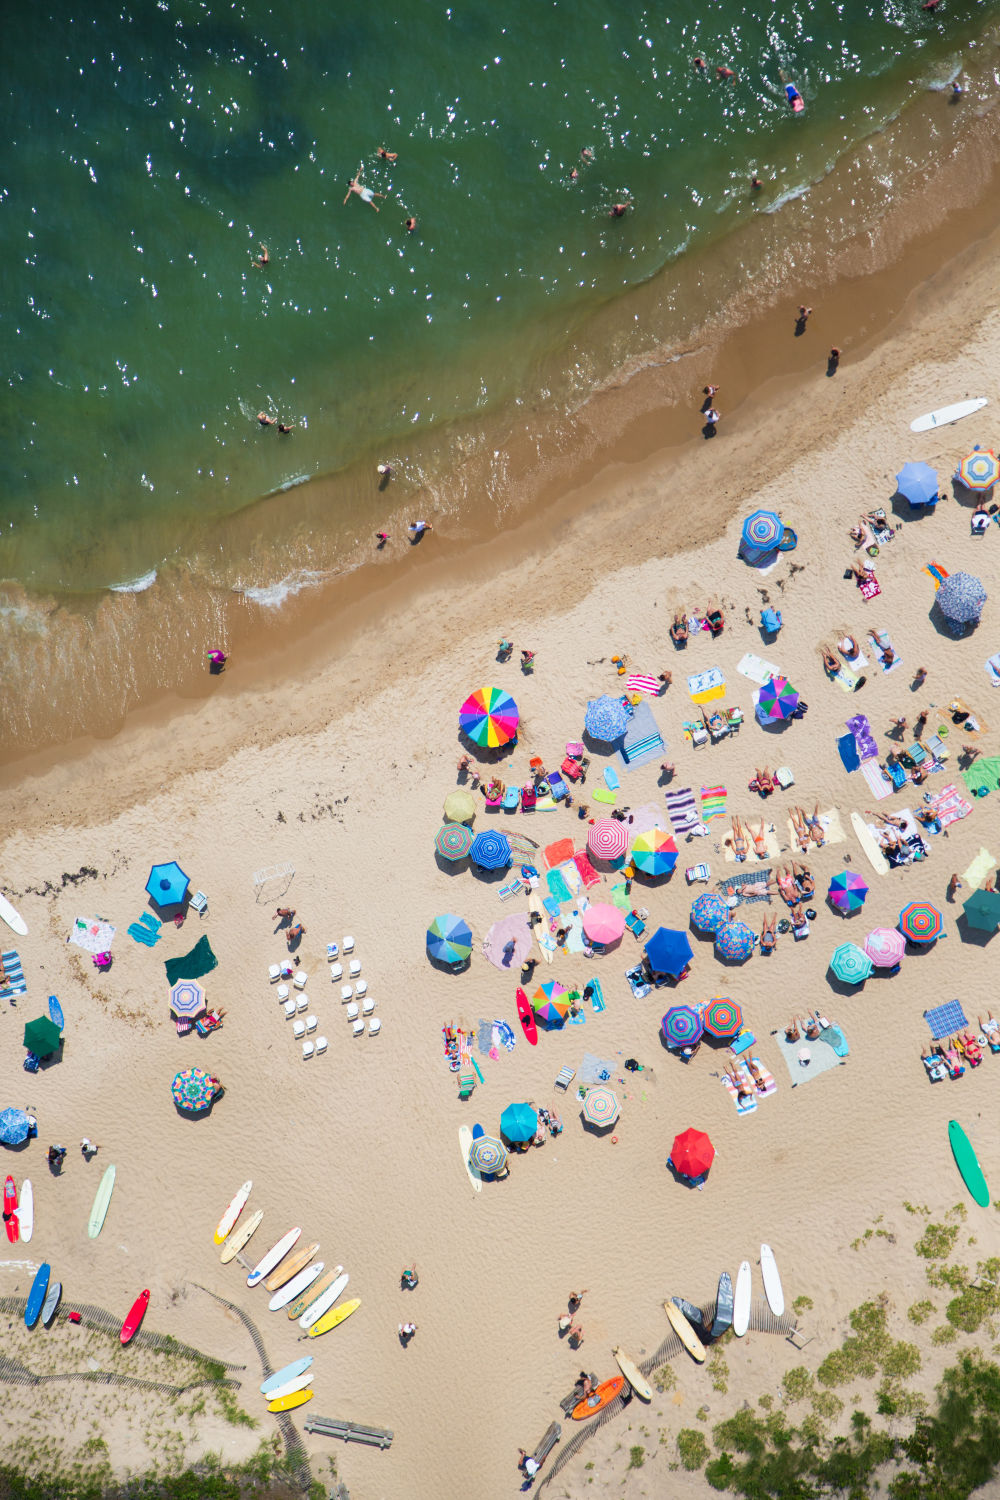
[692,1447]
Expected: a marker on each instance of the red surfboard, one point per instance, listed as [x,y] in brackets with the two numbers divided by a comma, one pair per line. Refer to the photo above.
[527,1018]
[137,1312]
[10,1210]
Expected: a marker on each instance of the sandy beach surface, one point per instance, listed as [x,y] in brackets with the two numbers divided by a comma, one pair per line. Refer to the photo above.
[340,770]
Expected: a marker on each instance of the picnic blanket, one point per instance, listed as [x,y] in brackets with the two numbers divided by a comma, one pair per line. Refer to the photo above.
[980,868]
[950,806]
[595,1069]
[704,686]
[641,682]
[681,810]
[742,886]
[757,669]
[146,930]
[16,982]
[713,802]
[513,929]
[864,740]
[944,1019]
[877,780]
[200,960]
[585,869]
[821,1056]
[642,740]
[984,772]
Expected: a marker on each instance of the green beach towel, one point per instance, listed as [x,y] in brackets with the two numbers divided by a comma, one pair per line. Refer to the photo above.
[201,960]
[985,772]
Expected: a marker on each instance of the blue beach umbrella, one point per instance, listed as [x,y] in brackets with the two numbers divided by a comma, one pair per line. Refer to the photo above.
[490,850]
[850,964]
[734,941]
[762,531]
[167,884]
[709,913]
[13,1126]
[606,718]
[668,951]
[449,939]
[918,483]
[518,1122]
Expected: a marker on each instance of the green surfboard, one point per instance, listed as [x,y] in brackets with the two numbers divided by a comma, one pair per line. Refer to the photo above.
[968,1164]
[99,1211]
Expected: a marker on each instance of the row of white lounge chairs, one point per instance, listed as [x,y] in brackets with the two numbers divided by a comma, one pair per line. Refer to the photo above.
[350,995]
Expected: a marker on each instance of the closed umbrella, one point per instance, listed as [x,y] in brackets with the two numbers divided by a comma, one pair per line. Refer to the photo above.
[600,1107]
[607,839]
[920,922]
[42,1036]
[187,1000]
[777,701]
[606,718]
[734,941]
[709,913]
[194,1090]
[850,964]
[603,923]
[449,939]
[722,1018]
[918,483]
[847,892]
[453,841]
[14,1126]
[489,717]
[459,806]
[654,852]
[979,470]
[669,951]
[761,531]
[487,1155]
[884,947]
[961,598]
[518,1122]
[982,910]
[692,1153]
[682,1026]
[490,850]
[167,884]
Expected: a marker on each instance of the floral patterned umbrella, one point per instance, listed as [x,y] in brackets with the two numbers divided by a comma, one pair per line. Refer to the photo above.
[734,941]
[709,913]
[194,1090]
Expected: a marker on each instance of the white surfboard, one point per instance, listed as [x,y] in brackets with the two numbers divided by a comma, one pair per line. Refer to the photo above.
[293,1288]
[13,919]
[535,905]
[323,1303]
[633,1374]
[772,1281]
[946,414]
[465,1146]
[233,1212]
[869,844]
[291,1386]
[286,1373]
[277,1252]
[26,1211]
[741,1302]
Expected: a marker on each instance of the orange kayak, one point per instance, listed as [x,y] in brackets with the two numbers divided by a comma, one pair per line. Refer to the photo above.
[599,1398]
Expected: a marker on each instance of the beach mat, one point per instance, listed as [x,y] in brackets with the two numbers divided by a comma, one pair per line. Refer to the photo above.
[984,772]
[704,686]
[879,785]
[737,885]
[757,669]
[946,1019]
[682,810]
[642,740]
[749,1105]
[595,1070]
[17,985]
[822,1058]
[200,960]
[555,853]
[771,844]
[713,802]
[979,869]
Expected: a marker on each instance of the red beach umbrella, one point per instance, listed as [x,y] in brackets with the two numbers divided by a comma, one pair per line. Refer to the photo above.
[692,1153]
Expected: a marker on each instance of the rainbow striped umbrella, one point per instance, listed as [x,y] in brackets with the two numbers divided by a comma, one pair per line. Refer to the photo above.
[709,913]
[193,1090]
[487,1155]
[920,922]
[489,717]
[607,839]
[547,1004]
[601,1107]
[884,947]
[847,892]
[682,1025]
[654,852]
[722,1018]
[763,530]
[979,470]
[734,941]
[777,701]
[453,841]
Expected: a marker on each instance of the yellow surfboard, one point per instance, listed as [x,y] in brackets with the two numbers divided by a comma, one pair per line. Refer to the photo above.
[633,1374]
[286,1403]
[237,1240]
[333,1317]
[685,1332]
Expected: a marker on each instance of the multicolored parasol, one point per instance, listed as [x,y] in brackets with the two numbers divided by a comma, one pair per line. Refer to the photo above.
[449,939]
[722,1018]
[734,941]
[453,841]
[187,1000]
[709,913]
[601,1107]
[487,1155]
[607,839]
[547,1005]
[776,701]
[884,947]
[489,717]
[979,469]
[606,718]
[851,964]
[920,922]
[194,1090]
[682,1026]
[654,852]
[762,531]
[847,892]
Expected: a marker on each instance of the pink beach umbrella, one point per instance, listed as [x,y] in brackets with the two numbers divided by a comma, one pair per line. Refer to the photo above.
[603,923]
[607,839]
[885,947]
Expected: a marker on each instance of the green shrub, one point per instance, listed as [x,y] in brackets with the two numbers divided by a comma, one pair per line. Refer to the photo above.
[797,1383]
[937,1241]
[636,1457]
[920,1311]
[692,1447]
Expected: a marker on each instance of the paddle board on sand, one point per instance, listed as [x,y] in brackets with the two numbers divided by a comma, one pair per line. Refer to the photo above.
[967,1163]
[100,1209]
[464,1145]
[527,1018]
[633,1375]
[299,1306]
[26,1213]
[286,1373]
[723,1306]
[535,905]
[288,1403]
[291,1386]
[319,1305]
[291,1266]
[36,1297]
[56,1012]
[946,414]
[277,1252]
[297,1284]
[685,1332]
[136,1313]
[13,919]
[772,1281]
[236,1241]
[870,845]
[599,1398]
[334,1317]
[741,1305]
[51,1303]
[232,1213]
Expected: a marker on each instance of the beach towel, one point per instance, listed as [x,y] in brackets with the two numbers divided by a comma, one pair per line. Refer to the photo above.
[992,669]
[835,1038]
[870,588]
[620,897]
[829,822]
[599,794]
[748,1105]
[704,686]
[484,1035]
[821,1059]
[950,806]
[642,740]
[594,1069]
[639,682]
[585,869]
[945,1019]
[200,960]
[979,869]
[743,887]
[739,1044]
[546,803]
[681,810]
[935,572]
[642,819]
[879,783]
[770,1085]
[571,877]
[984,772]
[757,669]
[713,802]
[856,663]
[771,844]
[513,929]
[844,679]
[863,737]
[880,643]
[503,1035]
[848,750]
[16,982]
[556,853]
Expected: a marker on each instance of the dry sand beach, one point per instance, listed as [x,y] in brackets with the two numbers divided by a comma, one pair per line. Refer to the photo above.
[338,764]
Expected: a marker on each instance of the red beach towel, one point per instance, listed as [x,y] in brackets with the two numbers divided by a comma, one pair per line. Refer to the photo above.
[588,874]
[870,588]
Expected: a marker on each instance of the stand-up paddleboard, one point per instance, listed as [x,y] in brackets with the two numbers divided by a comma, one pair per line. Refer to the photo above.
[10,1210]
[233,1212]
[685,1332]
[291,1386]
[288,1403]
[633,1374]
[772,1281]
[968,1164]
[527,1018]
[465,1145]
[741,1304]
[36,1297]
[324,1302]
[945,414]
[56,1012]
[297,1285]
[13,919]
[870,845]
[286,1373]
[237,1240]
[334,1317]
[100,1209]
[277,1252]
[51,1303]
[535,905]
[136,1313]
[299,1306]
[291,1266]
[723,1306]
[26,1212]
[599,1398]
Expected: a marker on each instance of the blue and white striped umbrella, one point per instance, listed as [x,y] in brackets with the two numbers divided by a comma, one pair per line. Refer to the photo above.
[490,850]
[607,718]
[763,530]
[961,598]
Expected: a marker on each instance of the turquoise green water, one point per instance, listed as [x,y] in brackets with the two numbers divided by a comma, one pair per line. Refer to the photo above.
[151,149]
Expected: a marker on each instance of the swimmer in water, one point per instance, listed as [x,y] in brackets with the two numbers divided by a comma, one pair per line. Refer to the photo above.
[726,74]
[364,193]
[791,93]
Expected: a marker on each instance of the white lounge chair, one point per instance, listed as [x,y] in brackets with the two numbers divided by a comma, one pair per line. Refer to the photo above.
[374,1027]
[321,1044]
[274,973]
[311,1023]
[352,1011]
[368,1006]
[336,972]
[300,979]
[299,1030]
[347,992]
[282,993]
[361,988]
[355,967]
[308,1048]
[198,902]
[348,945]
[332,951]
[303,1001]
[289,1009]
[699,735]
[359,1028]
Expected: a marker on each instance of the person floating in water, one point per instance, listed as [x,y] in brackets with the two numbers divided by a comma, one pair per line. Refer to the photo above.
[726,74]
[364,193]
[263,258]
[792,94]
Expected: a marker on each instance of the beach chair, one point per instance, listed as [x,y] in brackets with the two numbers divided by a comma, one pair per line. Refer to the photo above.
[198,902]
[321,1044]
[699,734]
[282,993]
[734,717]
[565,1077]
[308,1048]
[336,972]
[303,1002]
[495,798]
[274,973]
[299,1030]
[358,1028]
[511,798]
[548,1442]
[557,786]
[511,888]
[374,1027]
[896,774]
[301,979]
[718,727]
[368,1006]
[352,1011]
[289,1009]
[361,989]
[332,952]
[784,777]
[466,1084]
[348,945]
[635,924]
[355,968]
[528,798]
[183,1026]
[346,993]
[697,872]
[311,1023]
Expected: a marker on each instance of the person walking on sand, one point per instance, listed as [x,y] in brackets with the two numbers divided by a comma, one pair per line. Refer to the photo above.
[286,913]
[294,933]
[381,537]
[364,193]
[954,886]
[833,361]
[575,1298]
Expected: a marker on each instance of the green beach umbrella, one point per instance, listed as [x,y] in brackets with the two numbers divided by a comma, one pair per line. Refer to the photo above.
[982,910]
[851,964]
[42,1036]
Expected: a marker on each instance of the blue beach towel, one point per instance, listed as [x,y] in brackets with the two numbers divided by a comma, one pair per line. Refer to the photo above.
[17,984]
[558,887]
[848,752]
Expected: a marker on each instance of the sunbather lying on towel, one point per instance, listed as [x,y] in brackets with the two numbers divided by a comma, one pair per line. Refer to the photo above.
[739,1083]
[803,879]
[738,842]
[807,827]
[787,886]
[768,935]
[969,1047]
[763,782]
[991,1030]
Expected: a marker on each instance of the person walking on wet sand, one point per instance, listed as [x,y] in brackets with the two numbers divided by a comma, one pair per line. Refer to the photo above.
[575,1298]
[833,361]
[416,529]
[217,660]
[364,193]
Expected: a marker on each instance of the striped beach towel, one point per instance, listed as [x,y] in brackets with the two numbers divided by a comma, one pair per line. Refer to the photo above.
[713,802]
[681,810]
[641,682]
[16,982]
[950,805]
[935,571]
[876,779]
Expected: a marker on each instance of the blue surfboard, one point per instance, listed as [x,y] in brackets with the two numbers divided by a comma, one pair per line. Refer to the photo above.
[288,1372]
[36,1296]
[56,1012]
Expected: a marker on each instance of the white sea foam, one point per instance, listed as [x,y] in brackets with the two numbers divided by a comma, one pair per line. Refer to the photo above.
[137,586]
[274,595]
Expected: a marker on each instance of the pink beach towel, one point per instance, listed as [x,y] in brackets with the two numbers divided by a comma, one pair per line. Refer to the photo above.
[641,682]
[876,779]
[950,806]
[588,874]
[870,588]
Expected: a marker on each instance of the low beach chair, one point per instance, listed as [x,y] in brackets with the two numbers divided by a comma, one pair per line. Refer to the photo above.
[896,774]
[282,992]
[466,1084]
[495,798]
[352,1011]
[511,888]
[368,1006]
[299,1030]
[311,1023]
[565,1077]
[359,1028]
[289,1009]
[301,979]
[274,973]
[374,1027]
[332,952]
[572,769]
[699,734]
[303,1002]
[336,972]
[355,968]
[308,1048]
[784,777]
[635,924]
[321,1044]
[511,798]
[528,798]
[198,902]
[348,945]
[734,717]
[697,872]
[346,993]
[361,989]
